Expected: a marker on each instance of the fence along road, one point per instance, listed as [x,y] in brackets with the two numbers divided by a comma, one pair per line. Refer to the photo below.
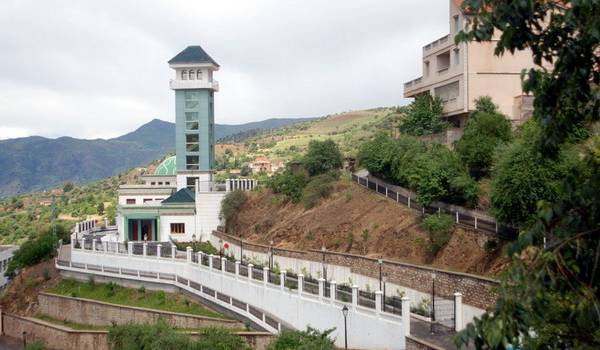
[253,293]
[464,218]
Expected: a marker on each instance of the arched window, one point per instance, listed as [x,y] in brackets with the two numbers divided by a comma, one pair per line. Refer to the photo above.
[199,74]
[192,75]
[184,75]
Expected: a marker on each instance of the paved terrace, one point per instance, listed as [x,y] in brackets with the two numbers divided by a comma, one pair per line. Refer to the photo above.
[273,301]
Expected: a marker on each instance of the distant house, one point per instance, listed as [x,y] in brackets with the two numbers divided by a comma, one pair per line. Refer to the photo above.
[261,165]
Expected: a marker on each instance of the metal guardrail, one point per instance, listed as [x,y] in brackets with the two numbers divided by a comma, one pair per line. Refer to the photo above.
[461,218]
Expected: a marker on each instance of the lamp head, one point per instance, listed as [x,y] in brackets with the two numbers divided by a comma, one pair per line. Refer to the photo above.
[345,311]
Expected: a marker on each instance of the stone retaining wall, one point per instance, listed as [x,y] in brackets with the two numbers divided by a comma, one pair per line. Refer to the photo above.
[413,343]
[58,337]
[477,291]
[97,313]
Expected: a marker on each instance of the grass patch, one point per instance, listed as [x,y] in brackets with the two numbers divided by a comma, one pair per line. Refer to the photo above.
[115,294]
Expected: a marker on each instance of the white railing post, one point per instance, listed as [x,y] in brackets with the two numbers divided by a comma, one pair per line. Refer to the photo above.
[188,254]
[457,217]
[386,191]
[145,249]
[173,252]
[223,261]
[250,269]
[130,248]
[300,283]
[378,299]
[210,261]
[458,312]
[237,269]
[321,288]
[265,275]
[94,245]
[409,201]
[158,249]
[332,290]
[354,296]
[105,247]
[199,257]
[406,315]
[282,280]
[81,243]
[476,222]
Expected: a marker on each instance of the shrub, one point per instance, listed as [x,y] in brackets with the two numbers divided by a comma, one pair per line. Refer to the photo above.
[232,203]
[289,184]
[485,130]
[219,338]
[439,228]
[319,187]
[424,117]
[36,345]
[322,157]
[146,336]
[522,178]
[32,252]
[302,340]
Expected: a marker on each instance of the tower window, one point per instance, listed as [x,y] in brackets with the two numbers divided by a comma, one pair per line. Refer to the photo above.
[192,162]
[184,75]
[191,116]
[192,75]
[199,74]
[191,143]
[191,126]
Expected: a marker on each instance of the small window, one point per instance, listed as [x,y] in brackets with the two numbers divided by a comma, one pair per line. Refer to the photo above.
[168,183]
[160,183]
[191,182]
[153,183]
[456,57]
[146,200]
[426,73]
[184,75]
[177,228]
[199,74]
[130,201]
[192,75]
[192,162]
[191,126]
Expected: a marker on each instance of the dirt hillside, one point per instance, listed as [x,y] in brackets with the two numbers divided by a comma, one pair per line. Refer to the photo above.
[355,220]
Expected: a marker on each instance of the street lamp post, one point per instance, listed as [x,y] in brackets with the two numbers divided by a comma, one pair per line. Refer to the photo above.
[380,261]
[323,250]
[345,313]
[220,248]
[432,301]
[242,251]
[24,339]
[271,255]
[383,300]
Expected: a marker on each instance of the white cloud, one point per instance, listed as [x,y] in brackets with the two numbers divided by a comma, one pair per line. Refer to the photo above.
[98,69]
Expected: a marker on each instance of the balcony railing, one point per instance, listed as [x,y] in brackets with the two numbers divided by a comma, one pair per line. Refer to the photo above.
[436,43]
[194,84]
[413,82]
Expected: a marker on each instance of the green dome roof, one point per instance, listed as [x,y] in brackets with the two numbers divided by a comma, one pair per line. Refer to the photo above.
[168,167]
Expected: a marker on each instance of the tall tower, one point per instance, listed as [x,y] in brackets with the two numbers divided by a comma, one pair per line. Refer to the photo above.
[194,115]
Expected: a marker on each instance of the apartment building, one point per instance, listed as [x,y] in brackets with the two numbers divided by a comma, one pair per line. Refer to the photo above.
[458,74]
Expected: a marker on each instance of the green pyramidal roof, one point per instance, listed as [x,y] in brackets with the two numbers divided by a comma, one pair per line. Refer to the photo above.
[168,167]
[193,54]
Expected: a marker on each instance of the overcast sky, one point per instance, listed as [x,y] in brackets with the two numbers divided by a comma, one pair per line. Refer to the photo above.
[92,69]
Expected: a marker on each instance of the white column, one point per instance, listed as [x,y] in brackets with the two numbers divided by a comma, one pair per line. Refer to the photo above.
[332,290]
[378,299]
[300,283]
[321,287]
[406,315]
[145,249]
[223,260]
[81,242]
[282,280]
[93,245]
[458,312]
[105,247]
[265,275]
[188,254]
[173,252]
[354,296]
[130,248]
[210,261]
[237,269]
[250,268]
[158,249]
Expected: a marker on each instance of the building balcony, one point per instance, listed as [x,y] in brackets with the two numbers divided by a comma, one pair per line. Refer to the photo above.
[439,43]
[413,84]
[194,84]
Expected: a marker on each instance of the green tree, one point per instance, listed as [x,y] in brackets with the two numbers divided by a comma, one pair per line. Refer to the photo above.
[549,296]
[68,187]
[322,157]
[424,117]
[310,339]
[231,204]
[486,129]
[289,184]
[100,208]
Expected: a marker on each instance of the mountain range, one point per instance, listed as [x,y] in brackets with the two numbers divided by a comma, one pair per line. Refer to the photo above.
[37,163]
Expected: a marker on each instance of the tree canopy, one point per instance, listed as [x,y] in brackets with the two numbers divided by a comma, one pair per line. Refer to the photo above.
[424,117]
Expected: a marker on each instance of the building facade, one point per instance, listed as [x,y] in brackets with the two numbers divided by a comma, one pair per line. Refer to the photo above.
[460,73]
